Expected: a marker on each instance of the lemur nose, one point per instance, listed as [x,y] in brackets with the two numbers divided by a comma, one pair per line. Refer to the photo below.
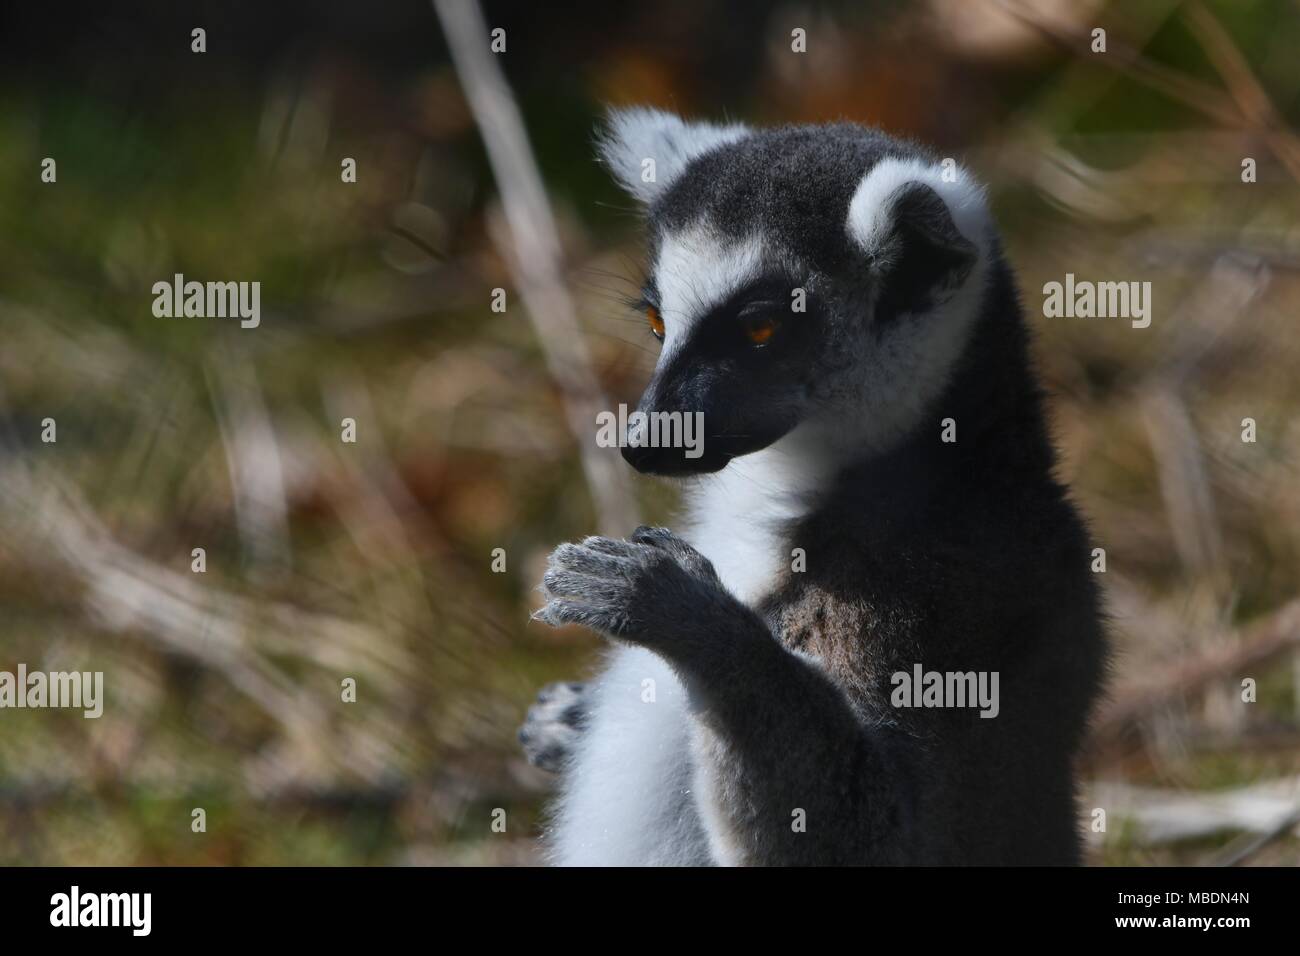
[639,456]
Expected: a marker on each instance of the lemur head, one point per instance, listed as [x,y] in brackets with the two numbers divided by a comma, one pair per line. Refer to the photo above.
[810,284]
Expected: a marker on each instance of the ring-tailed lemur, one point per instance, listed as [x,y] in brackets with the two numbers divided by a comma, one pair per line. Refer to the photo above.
[842,536]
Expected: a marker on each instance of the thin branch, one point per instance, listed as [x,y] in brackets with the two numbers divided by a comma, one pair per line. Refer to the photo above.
[1169,816]
[1243,848]
[1220,660]
[1244,88]
[531,247]
[1175,85]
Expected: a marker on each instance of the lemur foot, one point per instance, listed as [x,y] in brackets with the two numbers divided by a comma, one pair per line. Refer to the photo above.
[553,724]
[651,588]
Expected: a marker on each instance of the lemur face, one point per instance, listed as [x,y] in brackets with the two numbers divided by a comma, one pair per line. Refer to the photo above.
[817,280]
[734,348]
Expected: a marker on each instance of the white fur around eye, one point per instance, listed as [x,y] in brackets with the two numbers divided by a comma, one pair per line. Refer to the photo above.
[695,271]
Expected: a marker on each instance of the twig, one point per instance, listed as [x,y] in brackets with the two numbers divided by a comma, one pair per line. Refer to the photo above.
[1184,484]
[253,459]
[1244,847]
[1177,86]
[1168,816]
[1244,88]
[1219,660]
[126,593]
[531,248]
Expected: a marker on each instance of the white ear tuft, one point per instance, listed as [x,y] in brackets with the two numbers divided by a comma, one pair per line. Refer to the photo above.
[871,211]
[647,149]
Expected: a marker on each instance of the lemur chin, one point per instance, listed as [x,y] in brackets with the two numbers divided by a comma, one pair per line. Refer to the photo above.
[882,502]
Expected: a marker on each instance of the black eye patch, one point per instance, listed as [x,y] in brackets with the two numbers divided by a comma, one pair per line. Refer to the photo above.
[776,293]
[727,331]
[754,308]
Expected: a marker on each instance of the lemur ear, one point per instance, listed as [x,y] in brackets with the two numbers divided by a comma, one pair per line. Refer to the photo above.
[923,228]
[647,149]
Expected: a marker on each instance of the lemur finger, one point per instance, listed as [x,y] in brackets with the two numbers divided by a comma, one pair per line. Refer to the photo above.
[646,534]
[603,619]
[635,552]
[548,746]
[553,726]
[589,588]
[611,546]
[569,712]
[568,693]
[584,560]
[664,540]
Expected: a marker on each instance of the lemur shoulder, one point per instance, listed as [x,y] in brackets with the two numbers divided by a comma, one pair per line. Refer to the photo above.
[745,713]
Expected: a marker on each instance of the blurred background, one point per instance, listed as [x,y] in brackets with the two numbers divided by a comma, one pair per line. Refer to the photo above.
[374,560]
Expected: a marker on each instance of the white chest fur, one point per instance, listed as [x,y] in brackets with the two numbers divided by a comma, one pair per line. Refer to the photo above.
[738,518]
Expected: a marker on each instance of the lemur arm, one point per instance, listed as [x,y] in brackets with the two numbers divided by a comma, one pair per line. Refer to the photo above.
[787,772]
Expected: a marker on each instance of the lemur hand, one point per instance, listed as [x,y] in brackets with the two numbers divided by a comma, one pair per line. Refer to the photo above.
[652,589]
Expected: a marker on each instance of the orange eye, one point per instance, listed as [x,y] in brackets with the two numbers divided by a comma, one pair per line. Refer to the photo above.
[656,322]
[759,330]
